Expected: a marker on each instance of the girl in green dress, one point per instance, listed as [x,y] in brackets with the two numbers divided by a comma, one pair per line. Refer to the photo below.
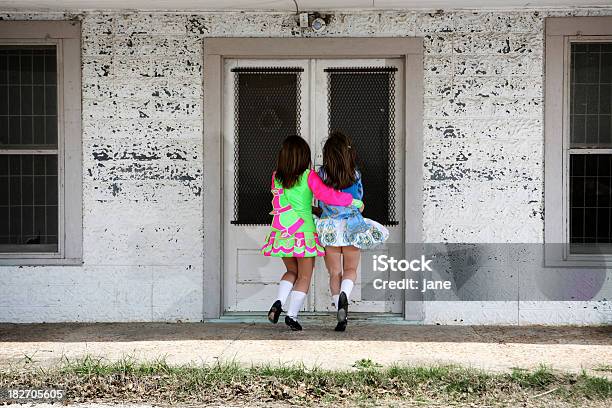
[293,234]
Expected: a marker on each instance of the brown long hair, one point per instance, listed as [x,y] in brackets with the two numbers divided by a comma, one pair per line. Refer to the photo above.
[339,161]
[293,160]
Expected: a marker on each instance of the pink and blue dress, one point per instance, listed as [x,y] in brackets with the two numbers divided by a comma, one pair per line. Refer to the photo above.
[345,226]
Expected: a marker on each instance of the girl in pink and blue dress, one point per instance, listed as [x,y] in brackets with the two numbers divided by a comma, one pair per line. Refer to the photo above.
[293,235]
[343,230]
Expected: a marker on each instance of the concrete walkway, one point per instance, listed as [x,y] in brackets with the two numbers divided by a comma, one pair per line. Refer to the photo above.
[493,348]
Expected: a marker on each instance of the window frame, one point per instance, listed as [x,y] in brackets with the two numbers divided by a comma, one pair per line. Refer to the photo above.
[561,32]
[66,36]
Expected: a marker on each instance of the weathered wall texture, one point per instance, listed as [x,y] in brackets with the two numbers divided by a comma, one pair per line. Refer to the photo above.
[143,166]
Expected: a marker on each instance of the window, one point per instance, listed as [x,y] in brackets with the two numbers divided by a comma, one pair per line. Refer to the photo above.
[40,143]
[590,140]
[578,133]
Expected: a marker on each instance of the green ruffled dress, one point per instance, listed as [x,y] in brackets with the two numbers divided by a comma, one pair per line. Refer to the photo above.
[293,232]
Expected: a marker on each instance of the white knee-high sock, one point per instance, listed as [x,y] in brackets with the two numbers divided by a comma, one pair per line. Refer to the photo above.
[284,288]
[347,286]
[296,303]
[335,300]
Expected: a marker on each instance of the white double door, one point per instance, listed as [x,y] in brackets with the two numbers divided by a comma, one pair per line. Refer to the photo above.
[264,100]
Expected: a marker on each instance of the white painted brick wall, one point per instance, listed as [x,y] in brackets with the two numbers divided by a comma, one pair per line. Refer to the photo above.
[142,145]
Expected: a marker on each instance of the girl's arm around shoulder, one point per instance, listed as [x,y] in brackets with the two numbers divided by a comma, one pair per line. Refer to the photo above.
[359,186]
[327,194]
[359,189]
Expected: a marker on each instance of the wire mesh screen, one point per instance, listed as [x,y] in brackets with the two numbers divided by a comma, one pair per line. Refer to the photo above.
[28,96]
[266,111]
[590,199]
[591,95]
[28,199]
[28,148]
[361,104]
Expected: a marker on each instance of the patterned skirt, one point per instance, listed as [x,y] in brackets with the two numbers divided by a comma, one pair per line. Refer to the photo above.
[298,245]
[333,232]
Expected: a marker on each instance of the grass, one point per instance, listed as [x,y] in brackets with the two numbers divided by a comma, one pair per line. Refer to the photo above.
[91,379]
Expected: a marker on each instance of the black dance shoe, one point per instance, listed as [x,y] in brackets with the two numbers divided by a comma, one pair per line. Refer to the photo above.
[342,315]
[293,324]
[275,312]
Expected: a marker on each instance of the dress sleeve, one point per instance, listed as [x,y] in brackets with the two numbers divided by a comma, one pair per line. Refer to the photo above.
[327,194]
[359,187]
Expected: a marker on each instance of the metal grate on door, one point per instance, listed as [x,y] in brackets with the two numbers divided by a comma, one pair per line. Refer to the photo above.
[361,104]
[266,111]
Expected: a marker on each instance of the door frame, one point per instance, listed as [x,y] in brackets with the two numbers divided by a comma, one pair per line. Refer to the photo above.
[215,50]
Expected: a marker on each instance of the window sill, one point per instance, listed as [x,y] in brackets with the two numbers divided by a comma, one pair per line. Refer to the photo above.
[555,256]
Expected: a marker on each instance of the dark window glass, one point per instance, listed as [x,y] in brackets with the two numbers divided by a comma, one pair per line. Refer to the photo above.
[590,201]
[26,189]
[28,95]
[362,105]
[591,96]
[267,110]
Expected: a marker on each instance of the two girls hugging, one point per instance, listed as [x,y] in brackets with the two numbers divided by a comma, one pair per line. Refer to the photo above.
[338,234]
